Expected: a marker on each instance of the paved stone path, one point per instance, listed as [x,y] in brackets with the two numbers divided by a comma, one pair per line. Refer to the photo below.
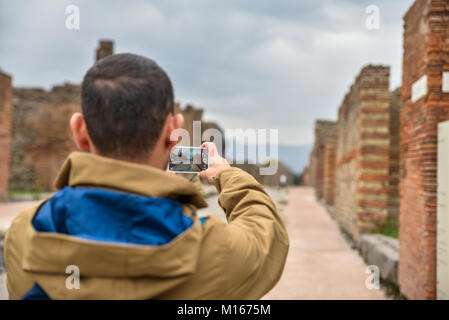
[9,210]
[320,263]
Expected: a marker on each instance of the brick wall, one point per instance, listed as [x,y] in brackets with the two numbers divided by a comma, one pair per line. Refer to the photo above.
[362,195]
[306,176]
[330,154]
[346,164]
[311,169]
[317,156]
[5,132]
[426,52]
[41,134]
[393,201]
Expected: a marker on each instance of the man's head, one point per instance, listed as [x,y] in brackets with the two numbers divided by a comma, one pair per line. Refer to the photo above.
[128,107]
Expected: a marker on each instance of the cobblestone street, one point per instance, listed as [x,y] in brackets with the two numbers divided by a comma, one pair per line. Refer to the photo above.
[320,263]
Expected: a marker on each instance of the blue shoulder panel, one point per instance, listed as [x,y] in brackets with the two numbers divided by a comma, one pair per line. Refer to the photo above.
[103,215]
[36,293]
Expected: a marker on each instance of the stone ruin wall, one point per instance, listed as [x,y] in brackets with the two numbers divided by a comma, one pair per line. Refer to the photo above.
[426,53]
[306,176]
[395,139]
[41,137]
[346,164]
[363,156]
[318,156]
[330,154]
[5,132]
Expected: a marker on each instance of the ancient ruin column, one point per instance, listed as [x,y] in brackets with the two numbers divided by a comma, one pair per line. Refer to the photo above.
[5,132]
[330,153]
[393,192]
[318,158]
[425,63]
[106,48]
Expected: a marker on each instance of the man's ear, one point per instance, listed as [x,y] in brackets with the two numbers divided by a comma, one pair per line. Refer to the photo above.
[174,123]
[79,130]
[178,121]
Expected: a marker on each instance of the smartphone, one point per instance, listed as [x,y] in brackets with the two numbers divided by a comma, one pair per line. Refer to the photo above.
[188,159]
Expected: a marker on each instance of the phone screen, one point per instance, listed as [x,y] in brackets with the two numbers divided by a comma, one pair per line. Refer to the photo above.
[189,159]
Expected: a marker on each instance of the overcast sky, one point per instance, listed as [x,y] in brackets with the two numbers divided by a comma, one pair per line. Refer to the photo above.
[249,64]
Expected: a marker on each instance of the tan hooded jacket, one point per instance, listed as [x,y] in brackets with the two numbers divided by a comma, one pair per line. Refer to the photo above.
[241,259]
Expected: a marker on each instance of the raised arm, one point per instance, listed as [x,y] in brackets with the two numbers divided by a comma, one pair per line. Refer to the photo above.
[257,239]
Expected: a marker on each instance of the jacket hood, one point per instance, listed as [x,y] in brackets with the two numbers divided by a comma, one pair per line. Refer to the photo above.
[114,220]
[86,169]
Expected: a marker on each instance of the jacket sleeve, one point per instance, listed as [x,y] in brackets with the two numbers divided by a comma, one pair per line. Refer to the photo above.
[257,240]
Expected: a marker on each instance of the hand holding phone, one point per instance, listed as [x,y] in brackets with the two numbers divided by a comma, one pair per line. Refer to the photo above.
[216,162]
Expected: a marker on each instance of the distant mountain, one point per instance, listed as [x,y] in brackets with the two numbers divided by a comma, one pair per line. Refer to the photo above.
[295,157]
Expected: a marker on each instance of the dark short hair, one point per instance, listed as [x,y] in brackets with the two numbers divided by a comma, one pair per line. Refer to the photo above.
[125,100]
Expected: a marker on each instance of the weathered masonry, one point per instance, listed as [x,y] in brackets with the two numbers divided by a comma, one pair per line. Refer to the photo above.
[41,138]
[330,154]
[364,190]
[318,161]
[425,92]
[5,131]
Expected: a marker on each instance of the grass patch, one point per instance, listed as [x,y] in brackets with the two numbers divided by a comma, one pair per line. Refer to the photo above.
[390,229]
[283,201]
[28,194]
